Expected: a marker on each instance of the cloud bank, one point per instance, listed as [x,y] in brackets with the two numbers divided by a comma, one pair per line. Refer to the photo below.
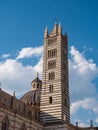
[5,55]
[15,76]
[29,52]
[82,74]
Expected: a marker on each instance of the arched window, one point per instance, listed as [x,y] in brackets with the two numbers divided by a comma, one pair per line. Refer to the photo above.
[65,102]
[5,101]
[51,88]
[52,53]
[50,100]
[51,64]
[34,85]
[24,110]
[5,124]
[23,127]
[35,114]
[48,53]
[18,108]
[55,51]
[51,76]
[37,85]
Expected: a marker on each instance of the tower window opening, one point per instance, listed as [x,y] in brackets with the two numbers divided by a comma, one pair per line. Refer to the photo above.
[65,102]
[18,108]
[50,100]
[52,53]
[55,52]
[51,88]
[23,127]
[51,75]
[48,53]
[37,85]
[34,86]
[51,64]
[4,102]
[34,103]
[24,110]
[5,125]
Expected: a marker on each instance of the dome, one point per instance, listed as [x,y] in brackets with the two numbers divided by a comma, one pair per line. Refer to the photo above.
[31,97]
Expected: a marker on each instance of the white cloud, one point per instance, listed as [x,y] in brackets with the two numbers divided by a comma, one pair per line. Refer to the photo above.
[87,49]
[80,63]
[29,52]
[96,120]
[5,55]
[82,124]
[16,77]
[88,104]
[38,67]
[82,73]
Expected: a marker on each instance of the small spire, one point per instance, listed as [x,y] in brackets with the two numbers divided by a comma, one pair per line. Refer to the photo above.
[59,29]
[46,29]
[91,123]
[0,86]
[76,123]
[59,25]
[56,20]
[14,94]
[46,32]
[37,74]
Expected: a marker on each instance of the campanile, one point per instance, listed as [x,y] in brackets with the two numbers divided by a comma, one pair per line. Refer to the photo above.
[55,104]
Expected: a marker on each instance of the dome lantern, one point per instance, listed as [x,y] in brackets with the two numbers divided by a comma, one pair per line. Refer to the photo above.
[36,83]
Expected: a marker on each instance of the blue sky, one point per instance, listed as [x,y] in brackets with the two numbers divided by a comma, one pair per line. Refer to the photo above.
[22,25]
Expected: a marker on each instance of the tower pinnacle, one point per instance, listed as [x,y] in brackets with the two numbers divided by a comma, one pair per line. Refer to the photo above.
[46,33]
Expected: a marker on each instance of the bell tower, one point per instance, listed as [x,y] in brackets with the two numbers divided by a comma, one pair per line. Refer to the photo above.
[55,104]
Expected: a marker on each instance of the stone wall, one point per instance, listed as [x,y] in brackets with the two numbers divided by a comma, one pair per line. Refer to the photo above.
[59,126]
[15,105]
[16,121]
[16,114]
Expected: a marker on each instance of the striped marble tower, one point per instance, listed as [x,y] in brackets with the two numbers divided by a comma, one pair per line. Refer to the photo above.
[55,104]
